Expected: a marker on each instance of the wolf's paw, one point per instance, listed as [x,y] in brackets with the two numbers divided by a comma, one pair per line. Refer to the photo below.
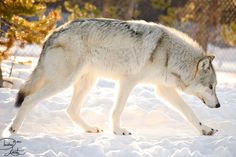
[94,130]
[13,127]
[121,131]
[208,131]
[12,130]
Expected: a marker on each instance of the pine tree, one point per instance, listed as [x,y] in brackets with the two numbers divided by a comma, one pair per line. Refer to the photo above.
[80,10]
[121,9]
[206,14]
[229,33]
[15,26]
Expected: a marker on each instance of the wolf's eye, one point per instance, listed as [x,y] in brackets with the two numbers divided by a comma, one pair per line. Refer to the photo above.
[211,87]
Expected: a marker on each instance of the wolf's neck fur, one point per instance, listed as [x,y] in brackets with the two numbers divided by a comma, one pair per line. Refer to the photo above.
[183,53]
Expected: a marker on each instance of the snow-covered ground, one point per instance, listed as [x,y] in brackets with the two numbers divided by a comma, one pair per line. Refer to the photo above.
[225,58]
[156,130]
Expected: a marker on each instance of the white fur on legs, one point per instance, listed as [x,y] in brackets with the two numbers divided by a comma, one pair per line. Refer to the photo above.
[170,95]
[81,88]
[125,88]
[56,76]
[30,101]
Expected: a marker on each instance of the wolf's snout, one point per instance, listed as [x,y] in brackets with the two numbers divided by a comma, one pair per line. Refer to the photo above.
[218,105]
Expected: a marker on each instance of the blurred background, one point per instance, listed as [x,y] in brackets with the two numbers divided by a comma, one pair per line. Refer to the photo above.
[24,24]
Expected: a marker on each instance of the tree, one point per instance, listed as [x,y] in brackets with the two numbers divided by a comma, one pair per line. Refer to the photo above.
[205,15]
[80,10]
[229,33]
[17,24]
[200,13]
[121,9]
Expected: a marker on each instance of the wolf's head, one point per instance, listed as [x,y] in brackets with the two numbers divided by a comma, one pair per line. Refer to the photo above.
[204,84]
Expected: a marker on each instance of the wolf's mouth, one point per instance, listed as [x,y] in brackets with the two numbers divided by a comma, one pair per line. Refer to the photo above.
[203,101]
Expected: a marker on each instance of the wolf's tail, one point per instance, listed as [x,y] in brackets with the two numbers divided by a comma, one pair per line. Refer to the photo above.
[34,83]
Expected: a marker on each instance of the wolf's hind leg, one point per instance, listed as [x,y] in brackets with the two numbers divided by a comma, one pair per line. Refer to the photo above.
[170,95]
[124,90]
[81,88]
[56,70]
[30,101]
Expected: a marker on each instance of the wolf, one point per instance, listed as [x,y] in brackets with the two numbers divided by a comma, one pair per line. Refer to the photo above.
[130,52]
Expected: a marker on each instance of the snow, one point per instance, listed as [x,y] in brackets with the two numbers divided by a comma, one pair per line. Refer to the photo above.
[225,58]
[156,130]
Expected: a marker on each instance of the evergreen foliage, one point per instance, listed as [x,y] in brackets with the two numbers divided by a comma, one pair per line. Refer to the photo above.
[229,33]
[15,15]
[76,11]
[24,21]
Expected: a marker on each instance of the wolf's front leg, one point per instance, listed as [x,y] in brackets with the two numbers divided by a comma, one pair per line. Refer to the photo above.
[124,90]
[170,95]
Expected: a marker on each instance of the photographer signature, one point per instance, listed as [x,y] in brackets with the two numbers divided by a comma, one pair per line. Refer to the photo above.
[9,145]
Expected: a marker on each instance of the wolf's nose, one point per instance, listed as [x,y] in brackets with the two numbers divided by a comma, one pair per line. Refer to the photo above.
[218,105]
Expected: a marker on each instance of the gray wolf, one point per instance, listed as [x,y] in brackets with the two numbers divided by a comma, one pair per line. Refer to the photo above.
[129,52]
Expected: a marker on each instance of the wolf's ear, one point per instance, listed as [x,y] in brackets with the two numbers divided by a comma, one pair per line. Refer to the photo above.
[211,58]
[204,63]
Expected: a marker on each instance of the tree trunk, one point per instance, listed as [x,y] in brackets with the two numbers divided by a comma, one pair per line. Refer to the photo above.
[105,9]
[1,78]
[208,20]
[202,35]
[130,10]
